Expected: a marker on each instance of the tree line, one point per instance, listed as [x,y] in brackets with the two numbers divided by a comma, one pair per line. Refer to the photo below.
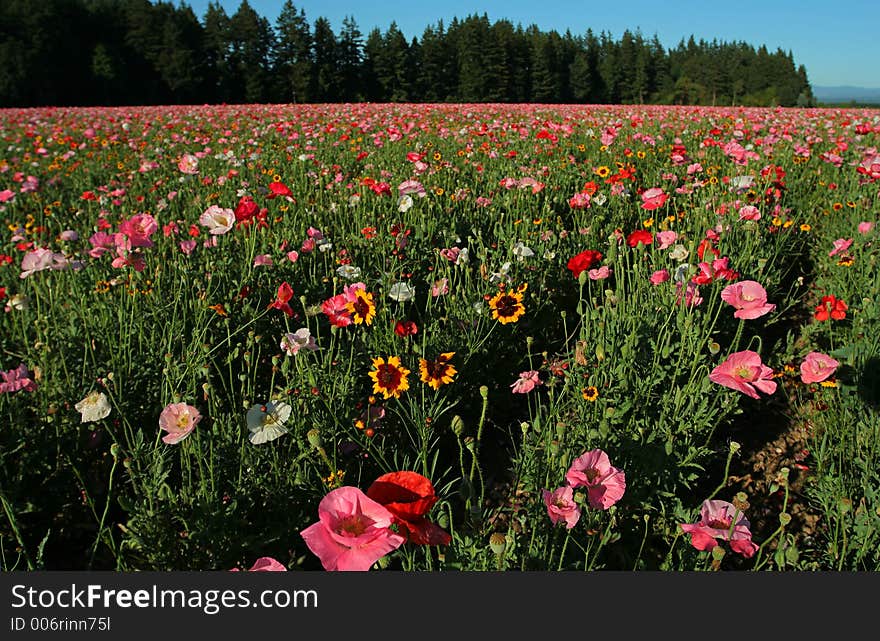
[137,52]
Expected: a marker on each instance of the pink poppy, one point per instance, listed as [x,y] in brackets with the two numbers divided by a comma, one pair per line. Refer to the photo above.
[6,195]
[840,245]
[744,372]
[217,220]
[17,379]
[605,484]
[561,506]
[188,246]
[293,342]
[188,164]
[336,310]
[660,276]
[865,227]
[749,212]
[179,420]
[653,198]
[40,259]
[411,187]
[353,531]
[138,229]
[721,520]
[526,382]
[601,273]
[817,367]
[263,260]
[749,298]
[265,564]
[692,296]
[665,239]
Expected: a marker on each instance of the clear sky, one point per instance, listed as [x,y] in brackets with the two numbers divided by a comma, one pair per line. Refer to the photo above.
[838,41]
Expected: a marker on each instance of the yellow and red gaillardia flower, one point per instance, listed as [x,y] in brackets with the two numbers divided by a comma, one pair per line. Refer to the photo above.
[362,308]
[389,379]
[507,307]
[437,372]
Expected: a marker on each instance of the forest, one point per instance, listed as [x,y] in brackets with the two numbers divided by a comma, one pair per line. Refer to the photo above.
[137,52]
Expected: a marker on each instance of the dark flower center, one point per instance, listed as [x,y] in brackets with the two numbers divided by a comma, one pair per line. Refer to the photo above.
[388,376]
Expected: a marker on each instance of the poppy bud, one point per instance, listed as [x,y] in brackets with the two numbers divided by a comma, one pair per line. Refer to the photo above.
[314,438]
[497,543]
[458,426]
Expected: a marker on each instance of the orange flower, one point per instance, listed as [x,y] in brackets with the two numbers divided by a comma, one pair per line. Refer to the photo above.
[389,379]
[437,372]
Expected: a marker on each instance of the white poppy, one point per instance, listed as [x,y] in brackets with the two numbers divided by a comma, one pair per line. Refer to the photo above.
[401,292]
[93,407]
[266,422]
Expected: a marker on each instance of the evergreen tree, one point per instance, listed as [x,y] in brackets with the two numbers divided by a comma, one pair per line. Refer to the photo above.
[350,60]
[293,55]
[325,73]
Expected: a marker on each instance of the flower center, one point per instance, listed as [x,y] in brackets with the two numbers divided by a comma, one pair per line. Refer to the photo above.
[388,376]
[507,305]
[353,525]
[719,523]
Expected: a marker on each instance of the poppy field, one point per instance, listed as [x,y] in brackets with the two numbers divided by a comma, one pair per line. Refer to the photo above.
[439,337]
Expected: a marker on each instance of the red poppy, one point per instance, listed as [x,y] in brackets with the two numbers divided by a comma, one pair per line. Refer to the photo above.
[285,293]
[278,188]
[585,260]
[831,307]
[705,244]
[246,209]
[409,496]
[405,328]
[639,236]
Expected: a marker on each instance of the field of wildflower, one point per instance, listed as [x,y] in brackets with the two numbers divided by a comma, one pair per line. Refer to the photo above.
[439,338]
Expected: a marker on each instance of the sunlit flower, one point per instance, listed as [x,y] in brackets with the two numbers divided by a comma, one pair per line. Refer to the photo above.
[526,382]
[605,483]
[409,497]
[507,306]
[817,367]
[830,307]
[744,372]
[362,308]
[179,420]
[561,507]
[389,379]
[353,531]
[293,342]
[93,407]
[749,298]
[266,422]
[217,220]
[401,292]
[437,372]
[721,520]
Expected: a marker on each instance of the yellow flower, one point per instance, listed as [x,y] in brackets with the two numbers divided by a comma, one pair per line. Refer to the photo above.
[507,307]
[437,372]
[362,309]
[389,379]
[805,227]
[602,171]
[590,393]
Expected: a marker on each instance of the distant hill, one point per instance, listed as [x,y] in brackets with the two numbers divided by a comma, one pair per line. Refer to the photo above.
[862,95]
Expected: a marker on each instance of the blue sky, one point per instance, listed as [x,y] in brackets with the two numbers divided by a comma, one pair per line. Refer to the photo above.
[837,42]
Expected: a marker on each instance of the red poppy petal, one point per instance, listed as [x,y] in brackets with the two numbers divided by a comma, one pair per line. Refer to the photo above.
[408,495]
[423,532]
